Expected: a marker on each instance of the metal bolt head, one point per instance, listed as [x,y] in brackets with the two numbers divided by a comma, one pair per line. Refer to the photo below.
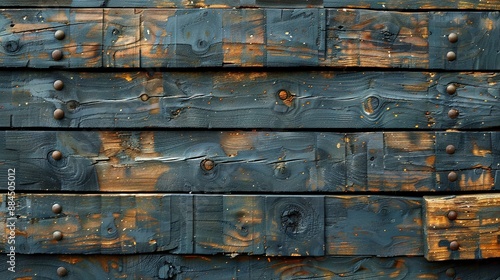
[144,97]
[451,89]
[453,113]
[453,37]
[452,176]
[56,155]
[451,56]
[57,235]
[207,164]
[283,94]
[62,271]
[450,149]
[452,215]
[58,85]
[58,114]
[56,208]
[454,245]
[450,272]
[59,34]
[57,55]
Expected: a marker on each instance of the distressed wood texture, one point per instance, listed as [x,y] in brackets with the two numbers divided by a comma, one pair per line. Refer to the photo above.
[209,224]
[365,4]
[249,37]
[245,267]
[245,161]
[248,100]
[476,227]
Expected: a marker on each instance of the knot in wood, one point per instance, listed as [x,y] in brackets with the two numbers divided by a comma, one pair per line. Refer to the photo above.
[12,46]
[292,221]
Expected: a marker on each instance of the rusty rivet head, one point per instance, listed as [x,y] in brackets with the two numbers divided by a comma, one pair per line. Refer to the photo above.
[59,34]
[56,208]
[58,85]
[283,94]
[58,114]
[207,164]
[57,235]
[452,215]
[450,272]
[453,113]
[62,271]
[453,37]
[450,149]
[451,89]
[144,97]
[452,176]
[451,56]
[56,155]
[454,245]
[57,55]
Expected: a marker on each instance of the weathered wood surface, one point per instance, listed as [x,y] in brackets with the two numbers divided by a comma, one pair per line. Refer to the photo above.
[245,267]
[474,223]
[364,4]
[210,224]
[241,100]
[250,161]
[249,37]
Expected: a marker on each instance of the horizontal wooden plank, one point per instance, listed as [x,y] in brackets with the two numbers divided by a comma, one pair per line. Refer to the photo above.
[173,38]
[211,224]
[365,4]
[462,227]
[244,267]
[249,100]
[249,161]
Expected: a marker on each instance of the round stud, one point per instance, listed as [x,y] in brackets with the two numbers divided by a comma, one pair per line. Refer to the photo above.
[453,37]
[59,35]
[144,97]
[453,113]
[450,149]
[58,114]
[56,155]
[57,55]
[451,89]
[283,94]
[56,208]
[207,164]
[451,56]
[452,176]
[454,245]
[62,271]
[452,215]
[450,272]
[57,235]
[58,85]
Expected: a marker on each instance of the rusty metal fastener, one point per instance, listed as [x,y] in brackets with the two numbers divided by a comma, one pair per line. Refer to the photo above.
[59,34]
[450,272]
[452,215]
[453,37]
[454,245]
[451,89]
[56,208]
[58,85]
[283,94]
[58,114]
[450,149]
[56,155]
[57,235]
[207,164]
[452,176]
[62,271]
[144,97]
[57,55]
[453,113]
[451,56]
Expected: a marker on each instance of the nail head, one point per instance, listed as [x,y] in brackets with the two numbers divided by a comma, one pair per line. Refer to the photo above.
[59,34]
[451,56]
[450,272]
[56,208]
[450,149]
[57,235]
[453,37]
[451,89]
[57,55]
[452,215]
[283,94]
[452,176]
[56,155]
[453,113]
[62,271]
[207,164]
[454,245]
[58,114]
[58,85]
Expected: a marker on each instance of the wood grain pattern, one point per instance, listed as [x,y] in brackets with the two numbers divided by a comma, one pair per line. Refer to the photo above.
[476,227]
[183,38]
[245,267]
[149,161]
[249,100]
[212,224]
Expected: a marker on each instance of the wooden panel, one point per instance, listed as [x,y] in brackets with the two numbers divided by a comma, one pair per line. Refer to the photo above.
[277,37]
[353,100]
[244,161]
[471,221]
[229,224]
